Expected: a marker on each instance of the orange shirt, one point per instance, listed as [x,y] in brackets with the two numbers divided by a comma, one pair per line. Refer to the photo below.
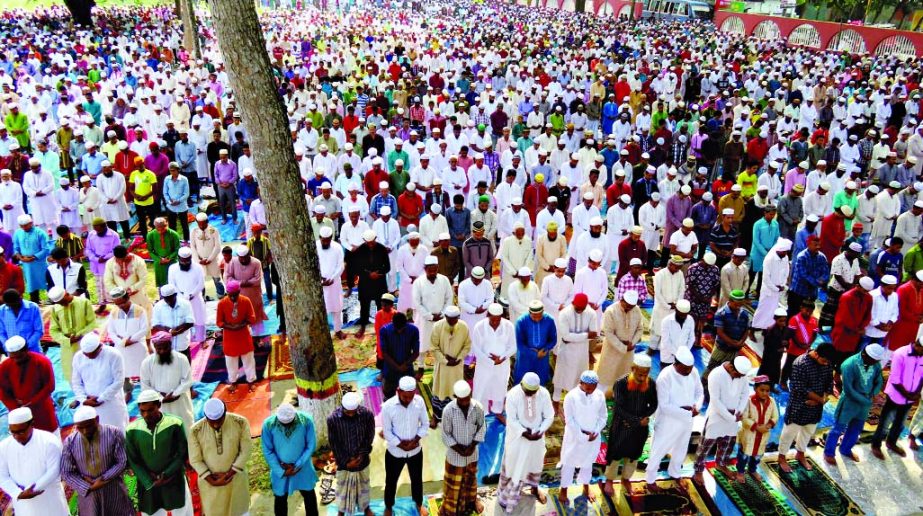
[236,342]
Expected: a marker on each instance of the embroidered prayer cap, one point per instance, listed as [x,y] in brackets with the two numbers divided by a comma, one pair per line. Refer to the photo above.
[407,384]
[285,413]
[214,409]
[536,306]
[531,382]
[590,377]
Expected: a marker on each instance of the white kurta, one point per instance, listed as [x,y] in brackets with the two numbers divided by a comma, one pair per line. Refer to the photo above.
[514,254]
[887,208]
[102,377]
[619,222]
[581,247]
[389,235]
[675,335]
[522,457]
[490,379]
[112,205]
[122,326]
[37,463]
[593,283]
[11,203]
[775,275]
[556,292]
[909,227]
[409,263]
[727,398]
[652,221]
[331,267]
[672,424]
[429,298]
[668,288]
[573,349]
[520,296]
[190,285]
[471,297]
[69,202]
[39,188]
[582,413]
[175,379]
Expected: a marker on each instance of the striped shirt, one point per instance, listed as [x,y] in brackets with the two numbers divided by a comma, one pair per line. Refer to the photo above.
[103,457]
[458,428]
[351,436]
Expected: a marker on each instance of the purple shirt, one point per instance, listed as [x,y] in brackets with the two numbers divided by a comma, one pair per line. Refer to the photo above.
[6,242]
[907,371]
[159,164]
[226,172]
[794,177]
[100,247]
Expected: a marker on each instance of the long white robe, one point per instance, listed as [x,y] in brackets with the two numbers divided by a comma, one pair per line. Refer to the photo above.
[42,207]
[514,254]
[112,189]
[389,235]
[573,349]
[668,288]
[775,275]
[429,298]
[672,424]
[582,413]
[887,208]
[409,264]
[190,285]
[675,335]
[331,267]
[909,227]
[593,283]
[727,398]
[471,297]
[522,457]
[69,199]
[490,379]
[618,223]
[11,195]
[102,377]
[556,292]
[581,247]
[175,379]
[37,463]
[652,220]
[520,296]
[134,325]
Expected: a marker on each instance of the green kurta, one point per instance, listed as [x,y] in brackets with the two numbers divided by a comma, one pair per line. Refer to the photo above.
[217,451]
[18,126]
[861,384]
[162,451]
[77,318]
[452,341]
[165,246]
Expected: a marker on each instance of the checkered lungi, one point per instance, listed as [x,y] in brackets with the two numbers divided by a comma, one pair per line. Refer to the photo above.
[509,492]
[460,489]
[352,491]
[723,446]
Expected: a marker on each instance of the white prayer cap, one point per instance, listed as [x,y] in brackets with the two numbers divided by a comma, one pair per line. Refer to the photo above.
[596,221]
[148,396]
[740,251]
[461,389]
[742,365]
[19,416]
[888,279]
[655,196]
[383,184]
[536,306]
[285,413]
[407,384]
[351,400]
[560,263]
[184,252]
[684,356]
[86,179]
[642,360]
[477,272]
[56,294]
[596,255]
[89,145]
[436,208]
[683,306]
[8,172]
[369,235]
[444,236]
[321,209]
[736,188]
[524,271]
[201,216]
[855,246]
[64,181]
[688,222]
[919,275]
[105,163]
[14,344]
[625,198]
[248,172]
[518,225]
[90,342]
[23,219]
[780,312]
[515,202]
[167,290]
[812,218]
[686,190]
[707,196]
[413,235]
[242,250]
[587,196]
[326,232]
[34,162]
[431,260]
[895,185]
[84,413]
[867,283]
[630,297]
[710,258]
[876,351]
[635,261]
[451,311]
[495,309]
[214,409]
[531,381]
[385,211]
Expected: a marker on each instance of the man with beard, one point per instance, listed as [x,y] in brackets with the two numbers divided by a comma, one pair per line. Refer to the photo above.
[27,379]
[113,207]
[234,316]
[248,271]
[189,281]
[127,329]
[30,461]
[163,245]
[205,243]
[330,258]
[72,317]
[30,248]
[92,464]
[167,372]
[98,379]
[100,244]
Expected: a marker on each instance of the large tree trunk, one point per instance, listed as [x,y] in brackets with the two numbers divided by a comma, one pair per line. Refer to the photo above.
[190,28]
[244,50]
[80,11]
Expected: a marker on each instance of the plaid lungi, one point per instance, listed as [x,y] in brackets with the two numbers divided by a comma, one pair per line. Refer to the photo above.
[352,491]
[460,489]
[509,492]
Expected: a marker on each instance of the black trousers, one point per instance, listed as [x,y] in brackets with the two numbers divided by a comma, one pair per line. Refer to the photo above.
[394,466]
[126,229]
[892,420]
[145,214]
[787,369]
[280,505]
[183,222]
[365,307]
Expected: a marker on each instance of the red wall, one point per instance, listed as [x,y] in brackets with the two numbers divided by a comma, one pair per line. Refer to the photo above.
[873,36]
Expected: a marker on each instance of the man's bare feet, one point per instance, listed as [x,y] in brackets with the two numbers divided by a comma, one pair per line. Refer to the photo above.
[478,506]
[896,448]
[756,476]
[699,478]
[388,512]
[340,335]
[727,471]
[626,487]
[852,456]
[741,478]
[876,451]
[783,464]
[607,488]
[829,459]
[360,334]
[539,495]
[803,460]
[590,495]
[251,387]
[232,387]
[368,512]
[194,393]
[914,445]
[653,488]
[562,497]
[422,510]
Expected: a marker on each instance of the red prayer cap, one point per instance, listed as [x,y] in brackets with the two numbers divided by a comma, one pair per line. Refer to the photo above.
[154,145]
[581,301]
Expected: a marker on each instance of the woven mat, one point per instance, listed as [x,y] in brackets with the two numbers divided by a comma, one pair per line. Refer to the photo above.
[753,498]
[678,497]
[581,505]
[817,493]
[280,360]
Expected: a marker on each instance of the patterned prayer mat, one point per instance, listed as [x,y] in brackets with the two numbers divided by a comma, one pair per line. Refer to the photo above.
[581,506]
[280,360]
[817,493]
[216,370]
[753,498]
[678,497]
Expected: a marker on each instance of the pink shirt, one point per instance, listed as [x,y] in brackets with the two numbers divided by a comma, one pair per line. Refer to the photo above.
[906,370]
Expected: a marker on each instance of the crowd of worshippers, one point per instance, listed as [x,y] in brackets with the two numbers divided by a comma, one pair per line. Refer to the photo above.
[697,171]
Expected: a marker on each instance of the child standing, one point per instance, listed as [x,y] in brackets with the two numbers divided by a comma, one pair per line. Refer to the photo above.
[759,418]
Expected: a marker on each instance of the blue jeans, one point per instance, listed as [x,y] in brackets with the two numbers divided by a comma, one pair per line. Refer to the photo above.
[891,421]
[849,430]
[747,462]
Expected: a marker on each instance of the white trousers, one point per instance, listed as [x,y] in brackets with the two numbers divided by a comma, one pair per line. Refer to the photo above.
[670,438]
[583,476]
[337,320]
[232,364]
[800,434]
[185,510]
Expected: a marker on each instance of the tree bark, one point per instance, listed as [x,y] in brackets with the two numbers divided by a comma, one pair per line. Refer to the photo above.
[243,47]
[190,28]
[80,11]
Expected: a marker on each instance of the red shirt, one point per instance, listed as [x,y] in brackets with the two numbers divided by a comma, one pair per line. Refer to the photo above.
[803,334]
[409,203]
[236,342]
[11,278]
[381,319]
[30,385]
[615,191]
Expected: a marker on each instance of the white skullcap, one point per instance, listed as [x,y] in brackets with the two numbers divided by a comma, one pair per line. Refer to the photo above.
[630,297]
[876,352]
[407,384]
[436,208]
[625,198]
[461,389]
[23,219]
[780,312]
[56,293]
[369,235]
[90,342]
[684,356]
[242,250]
[478,272]
[812,218]
[201,216]
[495,309]
[655,196]
[740,251]
[686,190]
[214,409]
[742,365]
[351,400]
[326,232]
[642,360]
[531,381]
[444,236]
[867,283]
[385,211]
[596,255]
[14,344]
[688,223]
[148,396]
[587,196]
[34,162]
[84,413]
[710,258]
[855,246]
[451,311]
[19,416]
[285,413]
[184,252]
[167,290]
[248,172]
[707,196]
[431,260]
[888,279]
[561,263]
[596,221]
[524,271]
[683,306]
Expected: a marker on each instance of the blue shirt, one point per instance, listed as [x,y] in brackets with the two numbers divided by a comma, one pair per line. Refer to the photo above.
[185,154]
[378,202]
[801,240]
[176,190]
[292,444]
[400,346]
[809,272]
[890,264]
[27,324]
[734,326]
[532,337]
[92,164]
[459,221]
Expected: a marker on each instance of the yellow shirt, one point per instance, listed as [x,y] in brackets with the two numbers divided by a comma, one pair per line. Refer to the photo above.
[143,182]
